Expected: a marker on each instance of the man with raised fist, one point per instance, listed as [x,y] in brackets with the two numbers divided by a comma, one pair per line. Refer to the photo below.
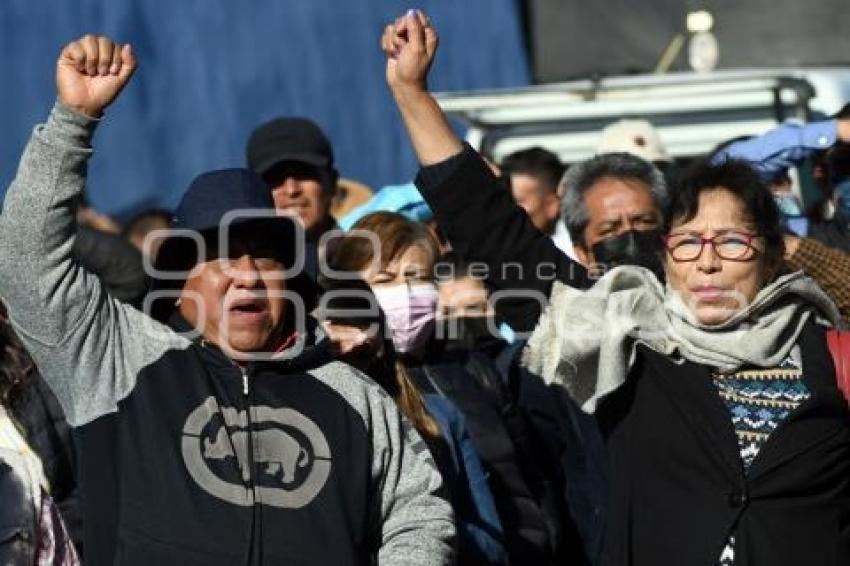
[220,433]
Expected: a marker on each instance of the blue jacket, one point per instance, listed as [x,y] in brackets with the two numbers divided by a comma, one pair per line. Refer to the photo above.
[781,148]
[479,528]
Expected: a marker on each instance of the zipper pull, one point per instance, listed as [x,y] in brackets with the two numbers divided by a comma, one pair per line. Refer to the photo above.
[244,381]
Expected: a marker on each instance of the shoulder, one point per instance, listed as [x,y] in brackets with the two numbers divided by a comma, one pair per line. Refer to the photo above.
[339,374]
[442,409]
[146,334]
[357,388]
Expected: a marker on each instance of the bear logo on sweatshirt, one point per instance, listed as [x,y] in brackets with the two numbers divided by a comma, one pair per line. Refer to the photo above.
[291,457]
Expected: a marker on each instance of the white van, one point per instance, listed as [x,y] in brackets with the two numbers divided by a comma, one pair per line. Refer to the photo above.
[693,112]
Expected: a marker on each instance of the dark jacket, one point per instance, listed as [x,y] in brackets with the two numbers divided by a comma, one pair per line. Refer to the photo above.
[568,441]
[527,487]
[522,264]
[480,534]
[678,487]
[186,458]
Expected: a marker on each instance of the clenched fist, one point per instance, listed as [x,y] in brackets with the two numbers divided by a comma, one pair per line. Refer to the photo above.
[91,72]
[410,44]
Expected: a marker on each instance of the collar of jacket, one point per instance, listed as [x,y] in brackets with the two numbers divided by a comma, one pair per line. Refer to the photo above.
[312,342]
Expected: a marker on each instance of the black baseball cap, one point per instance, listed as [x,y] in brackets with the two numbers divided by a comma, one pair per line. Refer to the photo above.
[288,139]
[204,208]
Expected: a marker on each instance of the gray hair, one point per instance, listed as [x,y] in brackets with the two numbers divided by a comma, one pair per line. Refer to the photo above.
[582,176]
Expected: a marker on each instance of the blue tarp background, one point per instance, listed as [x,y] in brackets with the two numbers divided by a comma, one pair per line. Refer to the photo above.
[211,70]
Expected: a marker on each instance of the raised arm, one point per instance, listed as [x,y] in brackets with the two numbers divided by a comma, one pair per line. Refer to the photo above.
[410,45]
[76,333]
[475,211]
[786,145]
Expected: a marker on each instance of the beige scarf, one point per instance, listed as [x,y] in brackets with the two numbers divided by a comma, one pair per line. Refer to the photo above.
[586,340]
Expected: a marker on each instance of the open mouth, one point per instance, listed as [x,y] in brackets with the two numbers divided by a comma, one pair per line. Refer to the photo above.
[248,308]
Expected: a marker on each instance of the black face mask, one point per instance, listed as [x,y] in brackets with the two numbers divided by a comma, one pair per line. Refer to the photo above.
[468,333]
[642,248]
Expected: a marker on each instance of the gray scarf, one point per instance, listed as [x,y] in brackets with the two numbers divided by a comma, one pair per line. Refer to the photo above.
[586,340]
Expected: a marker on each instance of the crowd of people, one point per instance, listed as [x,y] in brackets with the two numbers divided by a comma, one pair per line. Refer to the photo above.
[624,360]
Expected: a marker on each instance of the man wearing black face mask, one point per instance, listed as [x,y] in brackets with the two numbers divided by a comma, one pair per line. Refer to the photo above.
[629,248]
[612,206]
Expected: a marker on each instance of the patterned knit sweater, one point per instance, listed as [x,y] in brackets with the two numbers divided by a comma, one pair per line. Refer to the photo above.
[758,401]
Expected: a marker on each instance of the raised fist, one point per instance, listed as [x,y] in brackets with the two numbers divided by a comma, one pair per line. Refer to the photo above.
[91,71]
[410,44]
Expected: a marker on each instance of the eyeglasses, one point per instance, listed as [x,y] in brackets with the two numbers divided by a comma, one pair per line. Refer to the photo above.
[732,246]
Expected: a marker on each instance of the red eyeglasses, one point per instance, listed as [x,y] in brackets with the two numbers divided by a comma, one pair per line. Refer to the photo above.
[733,246]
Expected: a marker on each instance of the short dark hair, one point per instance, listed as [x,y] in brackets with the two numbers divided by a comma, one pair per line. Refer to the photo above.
[536,162]
[743,181]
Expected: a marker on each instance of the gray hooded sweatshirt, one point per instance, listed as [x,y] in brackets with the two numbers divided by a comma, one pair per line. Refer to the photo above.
[184,456]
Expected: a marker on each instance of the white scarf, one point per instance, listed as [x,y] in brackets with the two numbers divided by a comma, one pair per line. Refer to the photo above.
[586,340]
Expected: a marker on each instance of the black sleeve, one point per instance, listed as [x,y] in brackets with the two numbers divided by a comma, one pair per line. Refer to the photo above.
[483,224]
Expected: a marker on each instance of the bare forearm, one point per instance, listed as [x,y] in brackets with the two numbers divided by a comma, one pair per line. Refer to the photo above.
[432,138]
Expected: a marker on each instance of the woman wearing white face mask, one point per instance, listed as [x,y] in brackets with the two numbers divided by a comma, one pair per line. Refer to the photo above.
[401,275]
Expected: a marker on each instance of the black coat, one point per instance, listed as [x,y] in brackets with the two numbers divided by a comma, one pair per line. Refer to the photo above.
[527,486]
[677,483]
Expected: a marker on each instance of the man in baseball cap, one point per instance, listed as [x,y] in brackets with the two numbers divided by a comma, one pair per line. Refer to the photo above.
[296,160]
[228,435]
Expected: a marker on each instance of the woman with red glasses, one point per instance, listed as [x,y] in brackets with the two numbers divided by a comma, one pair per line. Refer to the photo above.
[726,433]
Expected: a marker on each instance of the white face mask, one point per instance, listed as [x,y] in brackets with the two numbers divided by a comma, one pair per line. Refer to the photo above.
[410,312]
